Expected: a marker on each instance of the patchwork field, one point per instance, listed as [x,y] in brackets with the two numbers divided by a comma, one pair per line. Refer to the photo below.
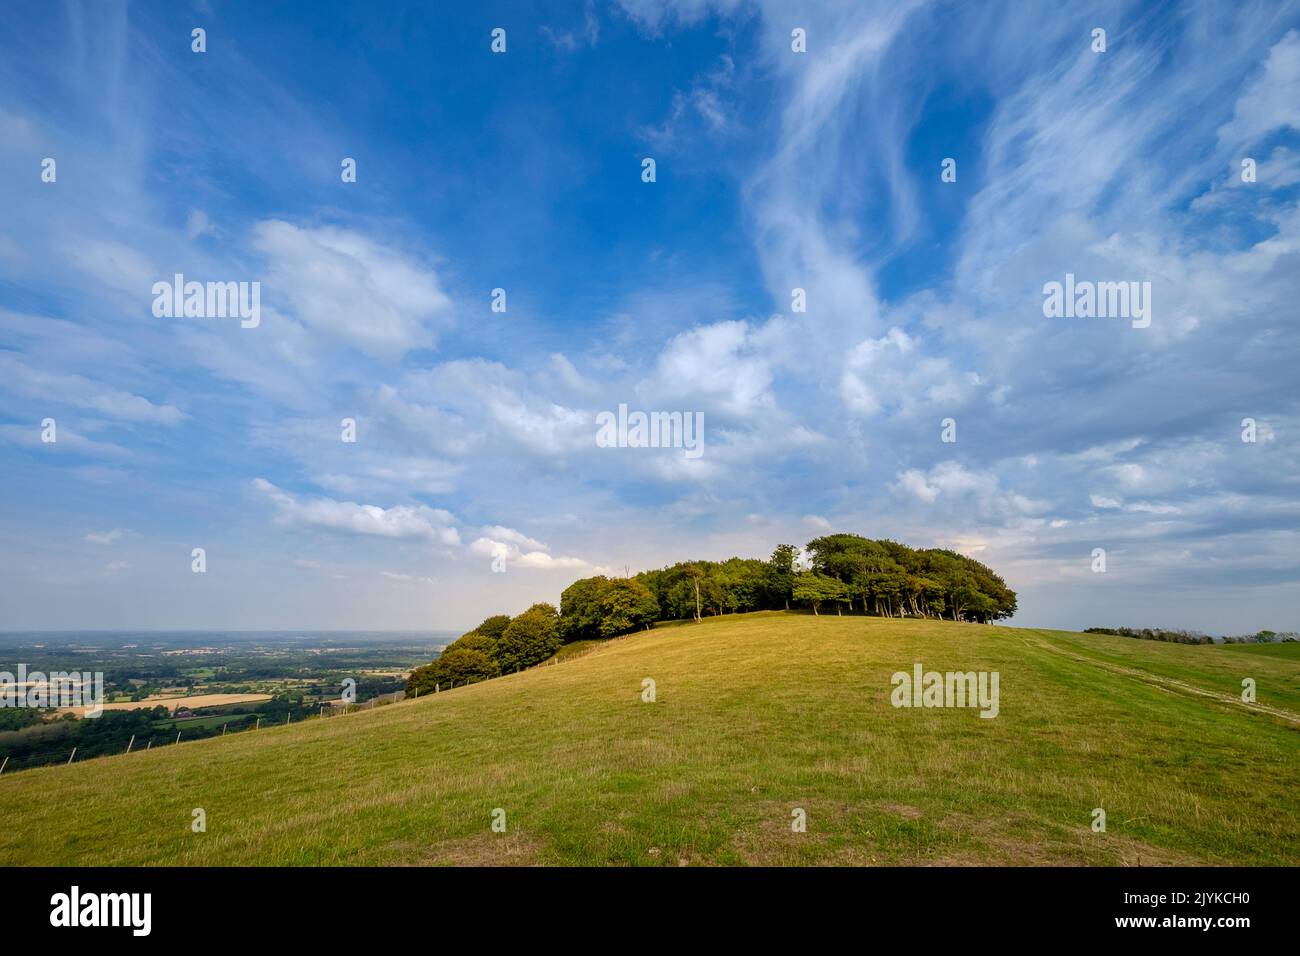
[755,717]
[191,702]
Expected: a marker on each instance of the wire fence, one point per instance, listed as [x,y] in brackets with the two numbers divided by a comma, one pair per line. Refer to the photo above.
[78,753]
[137,744]
[328,710]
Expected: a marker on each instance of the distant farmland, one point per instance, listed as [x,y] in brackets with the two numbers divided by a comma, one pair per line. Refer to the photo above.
[172,703]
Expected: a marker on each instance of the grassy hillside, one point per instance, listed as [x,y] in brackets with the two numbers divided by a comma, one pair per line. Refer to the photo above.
[755,715]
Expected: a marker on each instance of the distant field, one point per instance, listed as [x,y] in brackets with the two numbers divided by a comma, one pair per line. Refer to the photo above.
[171,703]
[756,715]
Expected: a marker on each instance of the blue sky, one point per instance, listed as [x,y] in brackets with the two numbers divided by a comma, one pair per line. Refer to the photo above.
[775,170]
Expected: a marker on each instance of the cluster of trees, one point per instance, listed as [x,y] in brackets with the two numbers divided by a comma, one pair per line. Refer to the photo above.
[1179,636]
[846,571]
[606,607]
[1175,636]
[500,645]
[696,589]
[892,580]
[1264,637]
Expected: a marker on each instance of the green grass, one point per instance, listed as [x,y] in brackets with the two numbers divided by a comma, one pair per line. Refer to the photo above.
[1290,650]
[756,715]
[575,649]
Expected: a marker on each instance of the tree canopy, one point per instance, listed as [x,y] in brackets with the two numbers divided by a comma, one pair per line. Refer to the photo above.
[494,626]
[891,579]
[530,638]
[454,666]
[843,571]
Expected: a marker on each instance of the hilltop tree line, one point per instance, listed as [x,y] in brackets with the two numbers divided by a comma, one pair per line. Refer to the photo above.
[845,572]
[842,572]
[1179,636]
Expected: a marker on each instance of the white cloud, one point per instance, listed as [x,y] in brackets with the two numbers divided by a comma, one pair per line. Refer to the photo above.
[721,365]
[68,441]
[889,373]
[1272,101]
[347,517]
[21,378]
[957,485]
[704,108]
[569,40]
[347,286]
[508,544]
[400,578]
[499,533]
[105,537]
[480,403]
[197,224]
[116,265]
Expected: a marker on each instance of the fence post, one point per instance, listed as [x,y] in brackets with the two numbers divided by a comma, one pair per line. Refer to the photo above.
[259,724]
[74,753]
[4,764]
[130,743]
[150,744]
[178,736]
[286,718]
[223,728]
